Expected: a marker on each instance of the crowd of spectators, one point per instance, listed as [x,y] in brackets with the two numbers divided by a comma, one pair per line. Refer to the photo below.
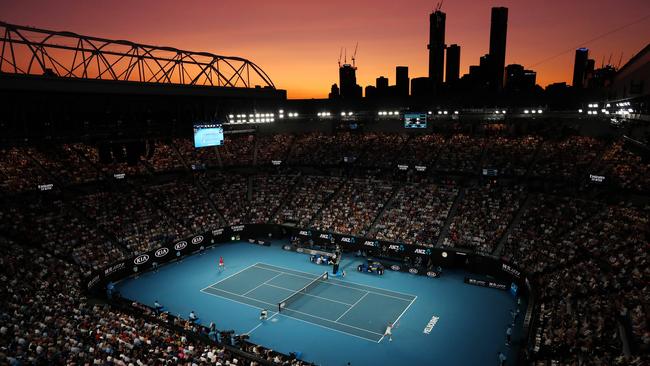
[627,169]
[237,150]
[187,204]
[307,198]
[511,156]
[229,192]
[567,158]
[18,171]
[355,206]
[482,216]
[269,192]
[534,241]
[272,148]
[461,153]
[205,157]
[417,214]
[136,222]
[46,320]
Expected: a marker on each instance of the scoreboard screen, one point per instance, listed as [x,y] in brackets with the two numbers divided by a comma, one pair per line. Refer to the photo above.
[415,120]
[208,135]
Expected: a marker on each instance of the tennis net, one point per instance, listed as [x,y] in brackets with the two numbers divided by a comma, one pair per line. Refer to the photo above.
[282,304]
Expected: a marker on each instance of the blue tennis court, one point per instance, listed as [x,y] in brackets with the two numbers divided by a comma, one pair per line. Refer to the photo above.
[341,319]
[350,308]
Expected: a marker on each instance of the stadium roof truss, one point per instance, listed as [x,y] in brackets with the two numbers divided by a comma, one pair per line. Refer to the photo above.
[33,51]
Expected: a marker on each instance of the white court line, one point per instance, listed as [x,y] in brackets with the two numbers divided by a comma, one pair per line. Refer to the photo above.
[334,279]
[318,297]
[336,284]
[236,273]
[260,324]
[396,320]
[262,284]
[353,305]
[296,311]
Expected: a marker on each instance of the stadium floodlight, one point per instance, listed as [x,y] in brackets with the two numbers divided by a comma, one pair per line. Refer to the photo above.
[295,114]
[444,254]
[504,112]
[281,111]
[390,113]
[430,112]
[539,111]
[349,113]
[534,111]
[630,110]
[445,112]
[526,111]
[342,113]
[439,112]
[396,113]
[455,112]
[379,113]
[231,116]
[608,105]
[580,110]
[496,112]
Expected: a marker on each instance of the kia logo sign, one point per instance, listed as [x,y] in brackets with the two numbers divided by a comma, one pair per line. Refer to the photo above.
[141,259]
[180,245]
[432,274]
[197,239]
[413,271]
[161,252]
[299,250]
[395,267]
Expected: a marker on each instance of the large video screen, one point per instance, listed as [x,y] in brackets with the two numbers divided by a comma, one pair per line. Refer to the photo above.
[208,135]
[415,120]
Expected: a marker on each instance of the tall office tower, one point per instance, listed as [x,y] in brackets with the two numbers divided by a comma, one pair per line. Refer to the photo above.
[580,67]
[348,82]
[452,72]
[382,86]
[498,33]
[436,47]
[402,80]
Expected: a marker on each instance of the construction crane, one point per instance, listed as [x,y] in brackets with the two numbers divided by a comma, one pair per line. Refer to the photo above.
[340,55]
[354,56]
[439,5]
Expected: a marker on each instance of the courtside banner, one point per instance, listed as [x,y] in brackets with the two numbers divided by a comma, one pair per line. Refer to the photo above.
[159,256]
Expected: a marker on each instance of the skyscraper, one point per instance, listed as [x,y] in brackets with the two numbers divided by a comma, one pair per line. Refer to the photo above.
[498,33]
[436,47]
[580,68]
[348,82]
[402,80]
[452,71]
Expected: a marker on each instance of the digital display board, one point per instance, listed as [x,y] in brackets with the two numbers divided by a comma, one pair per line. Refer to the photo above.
[415,120]
[208,135]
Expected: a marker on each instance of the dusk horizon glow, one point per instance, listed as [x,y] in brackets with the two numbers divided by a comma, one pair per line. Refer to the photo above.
[298,43]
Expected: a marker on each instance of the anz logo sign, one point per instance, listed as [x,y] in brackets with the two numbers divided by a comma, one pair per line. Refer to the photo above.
[180,245]
[371,243]
[324,236]
[304,233]
[422,251]
[396,247]
[141,259]
[347,240]
[197,239]
[161,252]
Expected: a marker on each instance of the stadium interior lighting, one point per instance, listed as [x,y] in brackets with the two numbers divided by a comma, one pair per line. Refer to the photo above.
[526,111]
[349,113]
[539,111]
[580,110]
[445,112]
[439,112]
[430,112]
[455,112]
[533,111]
[504,112]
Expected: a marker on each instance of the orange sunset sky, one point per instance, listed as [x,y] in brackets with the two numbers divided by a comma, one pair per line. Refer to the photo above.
[297,42]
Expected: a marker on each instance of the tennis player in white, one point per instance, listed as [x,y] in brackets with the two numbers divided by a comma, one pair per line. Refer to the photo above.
[389,332]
